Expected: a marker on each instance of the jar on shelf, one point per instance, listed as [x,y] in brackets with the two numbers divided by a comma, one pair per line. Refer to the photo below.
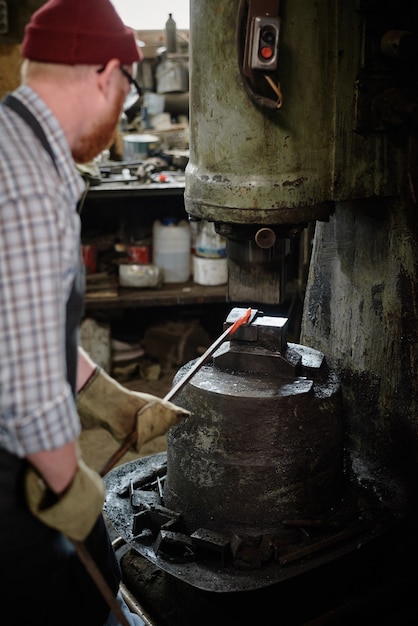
[210,258]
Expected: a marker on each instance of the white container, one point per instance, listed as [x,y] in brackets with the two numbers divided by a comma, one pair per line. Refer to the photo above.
[139,275]
[208,242]
[171,249]
[138,147]
[210,271]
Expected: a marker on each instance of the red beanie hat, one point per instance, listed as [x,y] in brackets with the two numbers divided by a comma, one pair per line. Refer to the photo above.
[76,32]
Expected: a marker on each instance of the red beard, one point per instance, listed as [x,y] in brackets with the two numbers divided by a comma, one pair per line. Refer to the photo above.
[100,136]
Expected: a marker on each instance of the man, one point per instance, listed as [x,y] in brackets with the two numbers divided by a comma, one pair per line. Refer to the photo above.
[75,77]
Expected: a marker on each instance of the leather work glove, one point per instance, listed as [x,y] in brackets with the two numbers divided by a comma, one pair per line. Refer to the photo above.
[103,401]
[75,512]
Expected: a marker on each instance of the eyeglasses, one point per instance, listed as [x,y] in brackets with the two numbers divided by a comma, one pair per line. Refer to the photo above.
[131,80]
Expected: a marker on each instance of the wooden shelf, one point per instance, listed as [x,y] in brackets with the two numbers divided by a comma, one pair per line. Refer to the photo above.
[171,294]
[114,195]
[118,190]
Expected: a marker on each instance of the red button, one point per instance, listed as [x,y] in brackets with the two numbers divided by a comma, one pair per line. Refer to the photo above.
[266,52]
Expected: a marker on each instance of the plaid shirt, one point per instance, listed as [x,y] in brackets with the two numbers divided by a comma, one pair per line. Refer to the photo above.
[39,248]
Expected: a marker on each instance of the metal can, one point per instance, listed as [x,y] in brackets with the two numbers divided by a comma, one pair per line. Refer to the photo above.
[89,254]
[138,254]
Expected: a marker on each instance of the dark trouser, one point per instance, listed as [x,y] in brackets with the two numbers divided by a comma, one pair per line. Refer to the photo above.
[43,580]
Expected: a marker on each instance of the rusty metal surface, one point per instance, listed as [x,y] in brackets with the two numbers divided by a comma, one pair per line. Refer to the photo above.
[257,449]
[265,440]
[356,528]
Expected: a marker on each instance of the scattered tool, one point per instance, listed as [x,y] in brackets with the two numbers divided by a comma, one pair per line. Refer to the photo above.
[130,441]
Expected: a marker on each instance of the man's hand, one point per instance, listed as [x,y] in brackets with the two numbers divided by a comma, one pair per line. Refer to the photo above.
[103,401]
[74,512]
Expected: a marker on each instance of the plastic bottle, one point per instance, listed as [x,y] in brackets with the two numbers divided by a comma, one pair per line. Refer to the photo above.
[171,34]
[208,243]
[171,249]
[210,265]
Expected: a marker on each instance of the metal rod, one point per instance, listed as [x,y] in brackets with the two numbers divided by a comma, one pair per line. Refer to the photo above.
[135,606]
[100,581]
